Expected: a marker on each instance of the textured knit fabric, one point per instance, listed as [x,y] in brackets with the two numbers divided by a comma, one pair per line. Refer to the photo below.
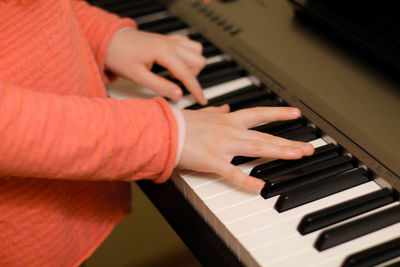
[67,151]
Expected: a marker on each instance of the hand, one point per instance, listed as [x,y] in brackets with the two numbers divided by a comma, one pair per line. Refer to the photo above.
[212,140]
[132,53]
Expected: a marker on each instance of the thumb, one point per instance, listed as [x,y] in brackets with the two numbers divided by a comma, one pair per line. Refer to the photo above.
[158,84]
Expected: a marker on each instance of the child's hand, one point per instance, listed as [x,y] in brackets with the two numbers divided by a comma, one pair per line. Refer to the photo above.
[132,53]
[212,140]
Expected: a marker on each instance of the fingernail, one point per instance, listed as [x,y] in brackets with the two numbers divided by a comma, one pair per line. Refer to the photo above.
[295,111]
[177,94]
[294,152]
[308,148]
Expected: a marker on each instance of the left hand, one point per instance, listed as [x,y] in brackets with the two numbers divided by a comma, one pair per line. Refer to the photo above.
[132,53]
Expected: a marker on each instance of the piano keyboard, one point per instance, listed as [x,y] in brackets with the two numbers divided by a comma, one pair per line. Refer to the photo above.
[322,210]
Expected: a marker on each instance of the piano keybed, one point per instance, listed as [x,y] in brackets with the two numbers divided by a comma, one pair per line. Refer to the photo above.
[323,210]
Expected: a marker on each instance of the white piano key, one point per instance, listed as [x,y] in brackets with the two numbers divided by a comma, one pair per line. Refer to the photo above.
[215,59]
[213,91]
[123,89]
[318,142]
[232,199]
[197,179]
[185,31]
[215,189]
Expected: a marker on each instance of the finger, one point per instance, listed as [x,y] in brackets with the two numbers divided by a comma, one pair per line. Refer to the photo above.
[247,118]
[221,109]
[180,70]
[307,148]
[156,83]
[256,148]
[194,61]
[236,176]
[195,46]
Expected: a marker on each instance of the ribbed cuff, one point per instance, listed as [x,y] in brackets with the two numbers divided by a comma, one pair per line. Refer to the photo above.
[173,140]
[180,120]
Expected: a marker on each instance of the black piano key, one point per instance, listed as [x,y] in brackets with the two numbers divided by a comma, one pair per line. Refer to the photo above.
[279,167]
[214,78]
[158,69]
[354,229]
[304,134]
[106,3]
[345,210]
[164,25]
[199,38]
[309,174]
[255,99]
[220,65]
[280,127]
[221,76]
[117,6]
[374,255]
[209,50]
[241,160]
[395,263]
[320,189]
[257,102]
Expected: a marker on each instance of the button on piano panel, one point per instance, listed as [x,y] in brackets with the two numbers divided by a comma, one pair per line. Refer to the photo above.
[250,225]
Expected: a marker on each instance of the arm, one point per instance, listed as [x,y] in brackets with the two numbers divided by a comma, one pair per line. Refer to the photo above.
[132,53]
[46,135]
[99,27]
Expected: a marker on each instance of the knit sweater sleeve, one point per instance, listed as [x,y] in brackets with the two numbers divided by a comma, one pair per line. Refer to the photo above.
[46,135]
[99,27]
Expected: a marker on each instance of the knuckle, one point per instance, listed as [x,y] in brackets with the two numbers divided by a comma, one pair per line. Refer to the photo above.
[232,174]
[285,151]
[202,62]
[164,47]
[198,46]
[185,38]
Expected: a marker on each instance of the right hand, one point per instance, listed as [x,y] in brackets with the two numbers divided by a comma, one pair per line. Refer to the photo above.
[132,53]
[214,136]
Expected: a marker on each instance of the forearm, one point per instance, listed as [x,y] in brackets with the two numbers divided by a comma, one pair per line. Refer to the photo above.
[68,137]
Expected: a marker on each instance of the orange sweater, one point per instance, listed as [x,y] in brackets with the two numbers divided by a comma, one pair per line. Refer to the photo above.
[66,151]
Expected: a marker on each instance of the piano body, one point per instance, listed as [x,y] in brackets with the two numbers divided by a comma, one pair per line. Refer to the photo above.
[347,99]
